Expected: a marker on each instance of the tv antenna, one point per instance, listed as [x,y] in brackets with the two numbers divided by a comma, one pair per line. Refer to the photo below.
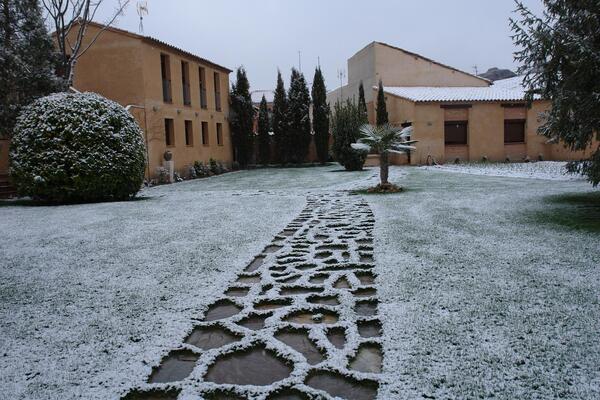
[341,73]
[142,10]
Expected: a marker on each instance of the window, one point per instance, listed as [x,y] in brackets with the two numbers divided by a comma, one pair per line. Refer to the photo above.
[205,133]
[455,132]
[169,133]
[217,91]
[219,134]
[514,131]
[202,73]
[165,68]
[185,81]
[189,133]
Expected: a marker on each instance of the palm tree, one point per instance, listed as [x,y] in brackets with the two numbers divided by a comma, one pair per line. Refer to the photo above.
[384,139]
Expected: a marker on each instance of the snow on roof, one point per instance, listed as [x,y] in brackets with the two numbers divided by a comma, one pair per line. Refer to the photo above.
[258,94]
[510,89]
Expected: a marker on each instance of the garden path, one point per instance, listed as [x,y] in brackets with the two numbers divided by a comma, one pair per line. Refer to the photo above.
[300,322]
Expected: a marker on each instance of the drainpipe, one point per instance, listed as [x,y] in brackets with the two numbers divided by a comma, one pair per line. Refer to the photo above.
[128,108]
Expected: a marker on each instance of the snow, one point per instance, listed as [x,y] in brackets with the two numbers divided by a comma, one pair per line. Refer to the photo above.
[481,299]
[91,296]
[504,90]
[478,299]
[550,170]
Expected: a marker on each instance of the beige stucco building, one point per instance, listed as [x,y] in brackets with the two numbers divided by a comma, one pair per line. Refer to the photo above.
[180,100]
[454,114]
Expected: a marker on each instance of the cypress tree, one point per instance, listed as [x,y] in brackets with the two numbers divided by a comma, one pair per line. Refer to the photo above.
[264,146]
[28,60]
[382,114]
[280,121]
[299,117]
[345,126]
[241,118]
[362,104]
[320,116]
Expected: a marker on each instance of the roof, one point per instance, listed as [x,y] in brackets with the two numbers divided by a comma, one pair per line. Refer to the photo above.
[503,90]
[433,61]
[258,94]
[160,43]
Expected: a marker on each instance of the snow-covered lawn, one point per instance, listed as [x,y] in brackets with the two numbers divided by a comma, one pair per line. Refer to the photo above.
[551,170]
[482,291]
[487,293]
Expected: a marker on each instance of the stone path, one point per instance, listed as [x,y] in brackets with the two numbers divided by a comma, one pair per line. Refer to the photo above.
[299,323]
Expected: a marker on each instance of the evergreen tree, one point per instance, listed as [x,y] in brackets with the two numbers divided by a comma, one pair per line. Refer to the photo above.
[382,114]
[560,60]
[280,121]
[298,117]
[320,116]
[241,118]
[27,60]
[264,145]
[345,126]
[362,104]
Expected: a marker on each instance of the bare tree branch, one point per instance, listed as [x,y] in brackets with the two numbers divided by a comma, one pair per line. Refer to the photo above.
[71,19]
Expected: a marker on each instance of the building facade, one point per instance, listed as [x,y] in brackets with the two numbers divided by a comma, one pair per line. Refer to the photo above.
[180,100]
[456,116]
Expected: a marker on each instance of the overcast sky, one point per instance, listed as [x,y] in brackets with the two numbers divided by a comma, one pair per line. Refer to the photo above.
[263,35]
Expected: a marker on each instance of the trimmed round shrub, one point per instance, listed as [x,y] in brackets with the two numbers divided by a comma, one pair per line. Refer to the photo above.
[81,147]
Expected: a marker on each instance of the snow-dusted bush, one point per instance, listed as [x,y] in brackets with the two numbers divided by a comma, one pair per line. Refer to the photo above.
[77,148]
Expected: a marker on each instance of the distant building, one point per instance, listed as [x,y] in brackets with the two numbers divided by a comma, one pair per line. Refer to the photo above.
[180,100]
[454,114]
[257,96]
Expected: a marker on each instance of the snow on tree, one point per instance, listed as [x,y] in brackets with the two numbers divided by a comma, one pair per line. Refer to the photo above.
[320,116]
[280,120]
[241,118]
[560,59]
[299,118]
[77,148]
[382,114]
[383,140]
[345,127]
[264,126]
[27,60]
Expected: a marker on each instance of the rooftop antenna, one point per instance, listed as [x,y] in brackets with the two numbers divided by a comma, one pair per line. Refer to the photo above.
[142,10]
[341,73]
[476,70]
[299,61]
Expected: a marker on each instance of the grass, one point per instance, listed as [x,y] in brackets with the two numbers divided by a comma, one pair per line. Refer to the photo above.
[488,285]
[578,211]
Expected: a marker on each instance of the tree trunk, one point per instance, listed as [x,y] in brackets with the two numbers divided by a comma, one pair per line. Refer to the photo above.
[384,167]
[71,73]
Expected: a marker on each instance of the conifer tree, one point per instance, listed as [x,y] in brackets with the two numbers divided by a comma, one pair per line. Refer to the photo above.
[241,118]
[280,120]
[264,145]
[345,127]
[559,56]
[320,116]
[382,114]
[362,104]
[27,60]
[298,117]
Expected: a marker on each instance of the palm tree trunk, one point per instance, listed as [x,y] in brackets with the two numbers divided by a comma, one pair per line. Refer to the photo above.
[384,167]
